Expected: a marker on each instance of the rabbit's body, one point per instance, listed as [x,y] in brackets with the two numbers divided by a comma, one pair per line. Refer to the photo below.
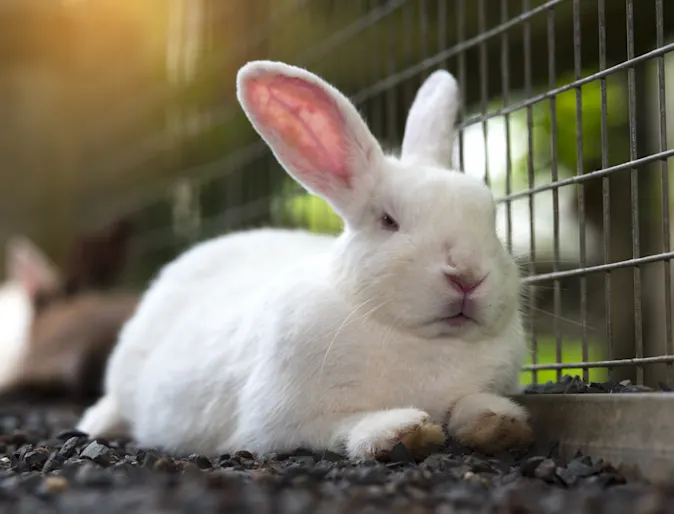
[277,360]
[272,339]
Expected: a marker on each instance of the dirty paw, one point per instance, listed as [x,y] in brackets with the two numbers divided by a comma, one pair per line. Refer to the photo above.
[492,432]
[376,435]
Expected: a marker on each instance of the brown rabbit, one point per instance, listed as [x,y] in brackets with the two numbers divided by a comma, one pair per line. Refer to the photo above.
[97,258]
[73,326]
[70,341]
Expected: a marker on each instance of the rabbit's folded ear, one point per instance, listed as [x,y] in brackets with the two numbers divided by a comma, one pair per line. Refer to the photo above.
[314,131]
[27,265]
[429,131]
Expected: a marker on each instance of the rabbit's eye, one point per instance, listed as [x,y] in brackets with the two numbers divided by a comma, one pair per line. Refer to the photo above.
[388,223]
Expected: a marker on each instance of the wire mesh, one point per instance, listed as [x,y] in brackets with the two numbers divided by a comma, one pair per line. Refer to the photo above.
[565,116]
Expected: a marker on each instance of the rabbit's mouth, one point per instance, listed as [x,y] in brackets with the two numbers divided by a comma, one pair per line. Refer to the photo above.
[457,320]
[460,312]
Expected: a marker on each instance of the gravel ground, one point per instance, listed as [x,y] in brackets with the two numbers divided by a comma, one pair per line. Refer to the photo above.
[575,385]
[45,466]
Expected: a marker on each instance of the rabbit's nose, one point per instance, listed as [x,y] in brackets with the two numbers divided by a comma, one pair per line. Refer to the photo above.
[465,284]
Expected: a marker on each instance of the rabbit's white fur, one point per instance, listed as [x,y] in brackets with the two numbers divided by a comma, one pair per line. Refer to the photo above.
[272,339]
[16,315]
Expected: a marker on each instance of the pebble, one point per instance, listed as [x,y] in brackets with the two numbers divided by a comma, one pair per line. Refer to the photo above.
[546,470]
[68,448]
[97,452]
[54,484]
[580,469]
[201,461]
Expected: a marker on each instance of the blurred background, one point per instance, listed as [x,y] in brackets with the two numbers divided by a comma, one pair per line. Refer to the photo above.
[125,109]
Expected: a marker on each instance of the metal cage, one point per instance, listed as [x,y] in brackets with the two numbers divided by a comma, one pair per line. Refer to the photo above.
[565,115]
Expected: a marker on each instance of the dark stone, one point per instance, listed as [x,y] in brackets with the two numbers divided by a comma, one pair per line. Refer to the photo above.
[68,448]
[18,457]
[580,468]
[605,480]
[92,476]
[149,459]
[528,468]
[546,470]
[566,477]
[99,453]
[201,461]
[305,461]
[370,476]
[331,456]
[35,459]
[55,461]
[165,465]
[440,462]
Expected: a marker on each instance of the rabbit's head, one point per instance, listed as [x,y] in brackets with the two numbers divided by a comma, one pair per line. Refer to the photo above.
[30,275]
[419,248]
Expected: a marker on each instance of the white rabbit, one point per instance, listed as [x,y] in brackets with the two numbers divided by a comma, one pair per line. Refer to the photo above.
[29,272]
[269,340]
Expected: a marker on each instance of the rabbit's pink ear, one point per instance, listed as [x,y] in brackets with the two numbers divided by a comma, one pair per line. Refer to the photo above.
[27,265]
[313,130]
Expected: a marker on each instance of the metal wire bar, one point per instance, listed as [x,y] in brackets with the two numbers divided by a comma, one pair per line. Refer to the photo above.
[554,175]
[407,25]
[460,24]
[664,184]
[377,69]
[579,171]
[505,88]
[658,52]
[606,185]
[391,95]
[579,272]
[484,80]
[634,190]
[459,50]
[616,363]
[666,154]
[423,28]
[526,35]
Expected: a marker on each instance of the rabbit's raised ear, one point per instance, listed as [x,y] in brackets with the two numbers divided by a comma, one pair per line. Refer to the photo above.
[429,131]
[314,131]
[27,265]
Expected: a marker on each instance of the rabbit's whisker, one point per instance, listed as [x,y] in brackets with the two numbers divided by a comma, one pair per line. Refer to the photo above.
[568,320]
[345,323]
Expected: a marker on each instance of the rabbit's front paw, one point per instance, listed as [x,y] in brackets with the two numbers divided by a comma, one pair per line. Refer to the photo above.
[378,432]
[490,423]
